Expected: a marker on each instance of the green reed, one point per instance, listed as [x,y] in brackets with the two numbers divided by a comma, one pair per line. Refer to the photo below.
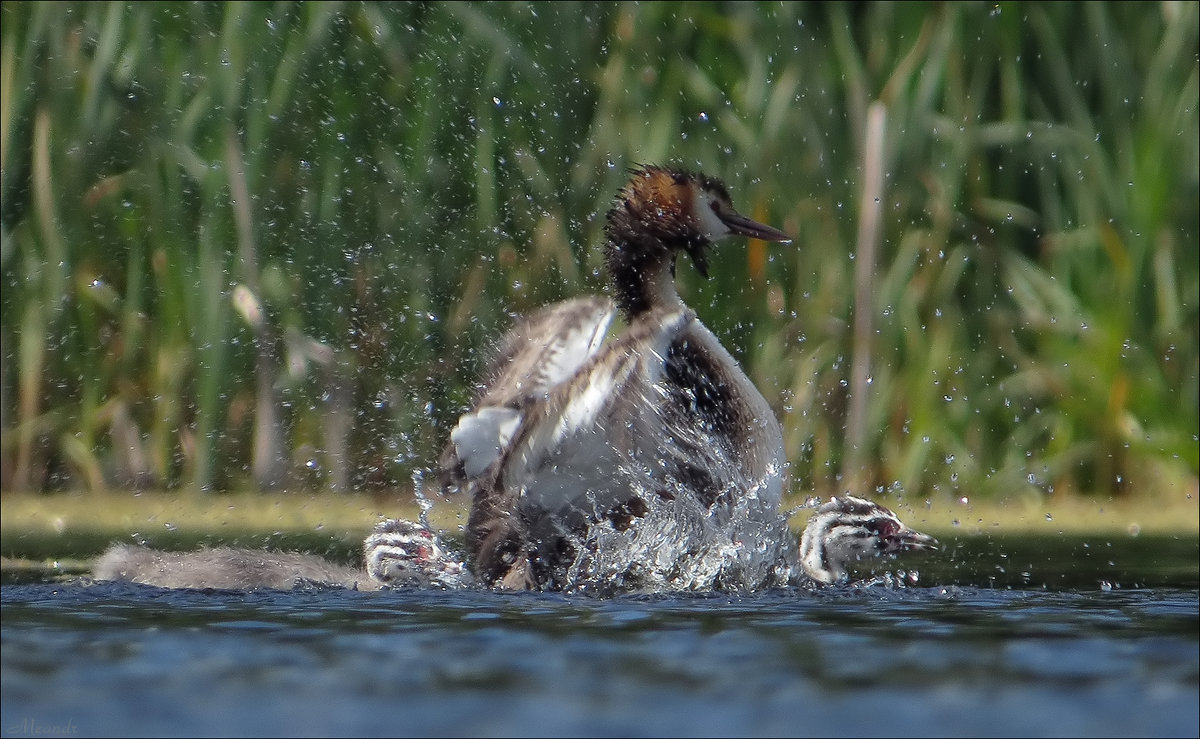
[268,245]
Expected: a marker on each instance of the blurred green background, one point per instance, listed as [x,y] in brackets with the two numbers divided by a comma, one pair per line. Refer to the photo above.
[270,245]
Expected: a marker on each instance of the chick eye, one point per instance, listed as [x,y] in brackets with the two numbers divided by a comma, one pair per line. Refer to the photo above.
[715,207]
[886,529]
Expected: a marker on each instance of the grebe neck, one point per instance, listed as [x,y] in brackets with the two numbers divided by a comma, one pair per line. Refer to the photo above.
[641,269]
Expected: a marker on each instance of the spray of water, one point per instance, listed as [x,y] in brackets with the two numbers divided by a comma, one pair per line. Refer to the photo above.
[731,538]
[423,502]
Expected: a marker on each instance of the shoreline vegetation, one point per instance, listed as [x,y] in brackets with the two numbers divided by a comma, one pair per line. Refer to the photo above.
[84,523]
[1177,511]
[270,245]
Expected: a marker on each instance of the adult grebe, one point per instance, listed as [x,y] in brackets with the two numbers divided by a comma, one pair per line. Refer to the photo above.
[572,431]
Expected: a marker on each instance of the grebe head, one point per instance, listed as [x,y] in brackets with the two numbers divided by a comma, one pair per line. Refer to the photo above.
[405,553]
[848,529]
[682,210]
[660,212]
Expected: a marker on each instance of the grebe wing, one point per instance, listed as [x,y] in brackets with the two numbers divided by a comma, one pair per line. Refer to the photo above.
[542,352]
[547,348]
[592,433]
[663,409]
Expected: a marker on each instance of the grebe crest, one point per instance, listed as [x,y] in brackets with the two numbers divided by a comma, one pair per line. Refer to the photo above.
[660,212]
[847,530]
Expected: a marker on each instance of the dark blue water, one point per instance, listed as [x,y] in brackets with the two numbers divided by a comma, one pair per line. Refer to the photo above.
[118,659]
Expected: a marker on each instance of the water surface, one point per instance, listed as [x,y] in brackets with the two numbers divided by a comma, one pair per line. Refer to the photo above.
[1025,651]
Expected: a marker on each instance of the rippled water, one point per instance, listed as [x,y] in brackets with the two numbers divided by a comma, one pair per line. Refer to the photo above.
[120,659]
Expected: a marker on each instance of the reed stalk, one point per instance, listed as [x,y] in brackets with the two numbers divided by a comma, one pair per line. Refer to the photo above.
[269,245]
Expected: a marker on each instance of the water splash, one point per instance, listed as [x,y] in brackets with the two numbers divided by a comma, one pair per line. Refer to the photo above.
[681,546]
[423,502]
[738,542]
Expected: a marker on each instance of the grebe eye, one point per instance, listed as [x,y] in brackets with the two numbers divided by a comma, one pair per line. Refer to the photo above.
[885,528]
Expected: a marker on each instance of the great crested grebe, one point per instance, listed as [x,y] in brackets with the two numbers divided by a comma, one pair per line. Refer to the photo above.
[225,568]
[841,534]
[572,430]
[848,530]
[577,442]
[397,554]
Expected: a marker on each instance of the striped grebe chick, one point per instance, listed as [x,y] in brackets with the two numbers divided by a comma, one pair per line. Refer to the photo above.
[225,568]
[400,553]
[848,530]
[396,554]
